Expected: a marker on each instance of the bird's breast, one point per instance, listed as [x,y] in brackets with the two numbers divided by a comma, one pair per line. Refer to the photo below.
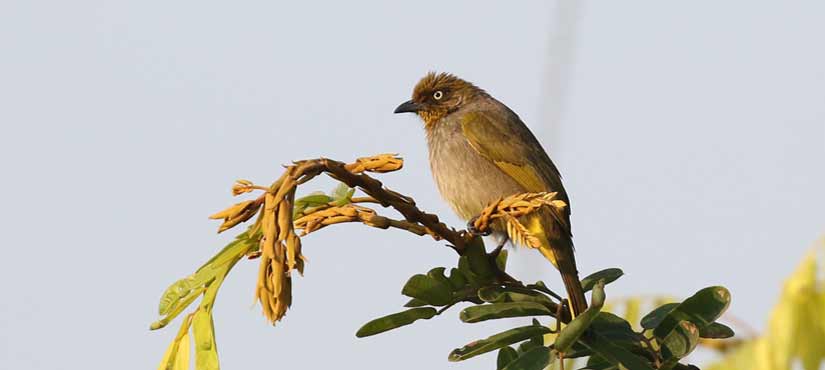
[465,179]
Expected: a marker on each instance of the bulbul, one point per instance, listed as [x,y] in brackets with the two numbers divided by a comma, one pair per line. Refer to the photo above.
[481,151]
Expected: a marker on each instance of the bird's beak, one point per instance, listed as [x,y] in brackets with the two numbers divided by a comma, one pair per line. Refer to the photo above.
[408,106]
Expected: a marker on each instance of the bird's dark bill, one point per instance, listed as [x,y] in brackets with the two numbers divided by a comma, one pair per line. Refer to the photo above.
[407,107]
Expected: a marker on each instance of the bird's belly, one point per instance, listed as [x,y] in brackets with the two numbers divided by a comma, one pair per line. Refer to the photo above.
[466,180]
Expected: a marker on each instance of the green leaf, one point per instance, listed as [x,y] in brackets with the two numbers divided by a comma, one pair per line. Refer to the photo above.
[457,279]
[716,331]
[415,302]
[613,327]
[701,309]
[497,341]
[438,274]
[501,260]
[395,320]
[608,275]
[182,288]
[680,341]
[534,342]
[233,251]
[179,307]
[478,259]
[541,287]
[342,194]
[467,272]
[597,362]
[614,354]
[534,359]
[655,317]
[506,355]
[429,290]
[498,294]
[577,350]
[174,293]
[484,312]
[493,294]
[571,333]
[314,199]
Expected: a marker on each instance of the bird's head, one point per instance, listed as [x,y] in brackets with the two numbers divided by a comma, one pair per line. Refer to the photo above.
[438,95]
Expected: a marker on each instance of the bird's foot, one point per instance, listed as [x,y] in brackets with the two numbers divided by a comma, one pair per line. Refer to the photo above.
[471,228]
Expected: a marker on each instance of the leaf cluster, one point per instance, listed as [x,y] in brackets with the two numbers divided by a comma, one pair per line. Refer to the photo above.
[669,333]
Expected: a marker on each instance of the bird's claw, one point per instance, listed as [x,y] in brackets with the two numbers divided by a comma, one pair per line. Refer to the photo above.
[471,228]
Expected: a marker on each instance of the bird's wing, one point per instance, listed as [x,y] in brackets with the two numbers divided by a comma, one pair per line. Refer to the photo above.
[513,148]
[502,138]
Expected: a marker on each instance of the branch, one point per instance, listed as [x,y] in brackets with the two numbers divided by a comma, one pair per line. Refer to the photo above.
[280,249]
[403,204]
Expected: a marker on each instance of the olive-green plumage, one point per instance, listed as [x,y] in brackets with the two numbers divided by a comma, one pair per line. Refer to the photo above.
[481,151]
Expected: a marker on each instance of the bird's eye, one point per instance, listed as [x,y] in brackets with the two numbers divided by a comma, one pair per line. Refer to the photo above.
[438,95]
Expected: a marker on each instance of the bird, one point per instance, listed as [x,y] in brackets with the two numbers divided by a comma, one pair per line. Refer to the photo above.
[479,152]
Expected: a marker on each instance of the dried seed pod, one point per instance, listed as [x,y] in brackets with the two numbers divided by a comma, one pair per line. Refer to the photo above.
[293,251]
[231,211]
[347,210]
[519,234]
[337,220]
[251,209]
[270,227]
[242,186]
[285,217]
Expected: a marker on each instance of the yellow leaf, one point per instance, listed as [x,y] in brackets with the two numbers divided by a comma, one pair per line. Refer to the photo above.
[206,352]
[785,326]
[182,358]
[631,312]
[795,333]
[754,355]
[165,363]
[170,361]
[809,311]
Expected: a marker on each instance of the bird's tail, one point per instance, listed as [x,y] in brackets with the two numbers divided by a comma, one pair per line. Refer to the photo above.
[575,293]
[557,246]
[566,264]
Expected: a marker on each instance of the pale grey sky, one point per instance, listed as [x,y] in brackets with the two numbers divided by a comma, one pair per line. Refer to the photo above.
[692,142]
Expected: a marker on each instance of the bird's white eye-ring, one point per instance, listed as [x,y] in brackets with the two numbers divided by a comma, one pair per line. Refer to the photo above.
[438,95]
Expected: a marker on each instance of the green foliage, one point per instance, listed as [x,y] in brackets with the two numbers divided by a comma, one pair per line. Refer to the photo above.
[701,309]
[716,331]
[614,354]
[655,317]
[502,310]
[428,290]
[497,341]
[506,355]
[677,327]
[395,320]
[535,359]
[574,330]
[669,332]
[342,194]
[608,275]
[479,279]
